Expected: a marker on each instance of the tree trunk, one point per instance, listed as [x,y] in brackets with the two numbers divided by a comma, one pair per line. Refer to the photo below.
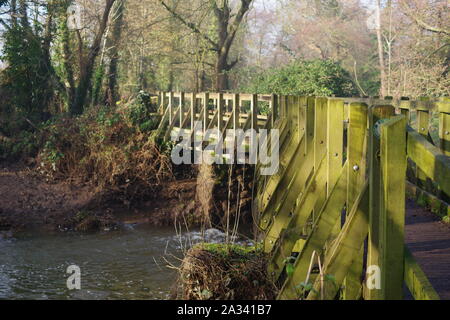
[227,28]
[23,13]
[223,17]
[381,52]
[14,13]
[221,83]
[112,94]
[87,65]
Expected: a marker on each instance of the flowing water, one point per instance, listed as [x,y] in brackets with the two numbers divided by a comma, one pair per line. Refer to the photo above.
[126,264]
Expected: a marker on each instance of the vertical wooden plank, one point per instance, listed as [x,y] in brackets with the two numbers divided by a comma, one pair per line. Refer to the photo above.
[163,101]
[302,117]
[320,146]
[182,114]
[274,108]
[220,111]
[193,110]
[356,155]
[405,106]
[310,118]
[335,143]
[295,115]
[376,195]
[393,168]
[254,112]
[320,130]
[236,112]
[444,133]
[283,100]
[356,150]
[335,140]
[205,115]
[423,122]
[171,102]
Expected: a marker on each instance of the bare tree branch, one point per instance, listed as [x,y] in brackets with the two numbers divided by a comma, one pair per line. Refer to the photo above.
[424,25]
[190,25]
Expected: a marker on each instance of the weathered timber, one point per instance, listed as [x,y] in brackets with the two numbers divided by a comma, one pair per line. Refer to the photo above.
[429,159]
[357,145]
[393,168]
[346,250]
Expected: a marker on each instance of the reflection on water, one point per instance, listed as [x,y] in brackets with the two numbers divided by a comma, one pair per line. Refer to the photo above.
[127,264]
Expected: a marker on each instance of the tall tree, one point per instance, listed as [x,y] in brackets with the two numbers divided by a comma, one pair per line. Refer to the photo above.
[78,86]
[227,26]
[112,90]
[383,91]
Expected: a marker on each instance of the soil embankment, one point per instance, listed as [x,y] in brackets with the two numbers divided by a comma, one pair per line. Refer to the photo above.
[28,201]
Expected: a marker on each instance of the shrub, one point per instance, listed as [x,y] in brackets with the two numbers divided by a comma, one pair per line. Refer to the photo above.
[140,112]
[104,147]
[305,77]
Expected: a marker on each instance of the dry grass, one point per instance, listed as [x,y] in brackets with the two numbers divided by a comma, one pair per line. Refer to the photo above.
[107,151]
[224,272]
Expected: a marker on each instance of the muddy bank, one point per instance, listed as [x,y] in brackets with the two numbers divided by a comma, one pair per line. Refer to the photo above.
[28,201]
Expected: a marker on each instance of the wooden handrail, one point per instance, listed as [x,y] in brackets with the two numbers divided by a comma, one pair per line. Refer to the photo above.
[429,159]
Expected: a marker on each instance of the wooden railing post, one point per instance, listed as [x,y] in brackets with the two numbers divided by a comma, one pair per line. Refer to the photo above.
[356,155]
[335,143]
[193,110]
[205,115]
[254,112]
[374,256]
[274,108]
[423,123]
[162,97]
[171,102]
[182,114]
[220,111]
[405,106]
[236,112]
[393,169]
[320,132]
[282,102]
[444,126]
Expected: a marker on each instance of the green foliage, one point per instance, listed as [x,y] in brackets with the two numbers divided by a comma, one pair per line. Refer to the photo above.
[305,77]
[25,144]
[289,262]
[227,250]
[82,215]
[99,74]
[27,74]
[304,288]
[140,111]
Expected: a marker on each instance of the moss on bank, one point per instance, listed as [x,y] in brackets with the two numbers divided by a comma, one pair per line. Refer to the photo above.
[224,272]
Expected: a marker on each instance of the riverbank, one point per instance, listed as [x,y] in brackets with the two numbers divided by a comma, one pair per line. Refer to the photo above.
[28,201]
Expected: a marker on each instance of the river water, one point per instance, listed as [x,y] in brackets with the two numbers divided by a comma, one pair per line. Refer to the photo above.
[126,264]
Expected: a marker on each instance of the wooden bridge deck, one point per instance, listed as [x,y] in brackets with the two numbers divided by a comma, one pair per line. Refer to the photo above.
[428,239]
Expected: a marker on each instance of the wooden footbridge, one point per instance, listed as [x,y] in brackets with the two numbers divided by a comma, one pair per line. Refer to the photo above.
[334,214]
